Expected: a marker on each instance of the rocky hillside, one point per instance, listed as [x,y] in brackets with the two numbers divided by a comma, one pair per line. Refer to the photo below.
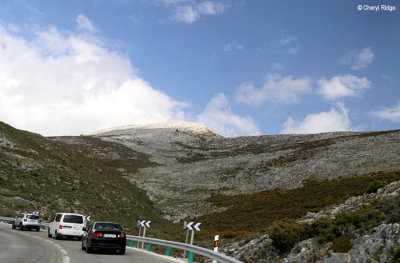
[188,163]
[237,187]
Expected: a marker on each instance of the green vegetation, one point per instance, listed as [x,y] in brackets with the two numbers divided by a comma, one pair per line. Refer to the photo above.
[374,186]
[252,213]
[285,233]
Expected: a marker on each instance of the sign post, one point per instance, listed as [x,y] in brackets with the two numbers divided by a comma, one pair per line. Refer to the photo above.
[190,226]
[140,231]
[145,224]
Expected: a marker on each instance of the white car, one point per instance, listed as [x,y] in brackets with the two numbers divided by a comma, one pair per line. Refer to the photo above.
[67,225]
[27,221]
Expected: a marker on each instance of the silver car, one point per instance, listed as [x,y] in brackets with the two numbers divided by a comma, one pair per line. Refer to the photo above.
[27,221]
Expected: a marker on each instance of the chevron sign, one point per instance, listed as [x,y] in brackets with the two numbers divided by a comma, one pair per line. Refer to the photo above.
[145,223]
[194,226]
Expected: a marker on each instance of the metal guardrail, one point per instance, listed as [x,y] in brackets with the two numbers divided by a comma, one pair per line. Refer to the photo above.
[195,249]
[166,243]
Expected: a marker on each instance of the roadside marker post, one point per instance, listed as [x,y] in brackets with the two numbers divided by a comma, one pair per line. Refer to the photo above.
[216,238]
[131,243]
[168,252]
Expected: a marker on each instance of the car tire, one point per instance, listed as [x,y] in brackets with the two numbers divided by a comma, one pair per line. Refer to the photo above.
[48,233]
[122,251]
[12,225]
[88,249]
[21,227]
[56,237]
[38,229]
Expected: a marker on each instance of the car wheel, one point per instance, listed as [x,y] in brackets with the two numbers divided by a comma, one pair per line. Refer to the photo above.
[88,249]
[13,226]
[38,229]
[56,237]
[122,251]
[48,233]
[21,227]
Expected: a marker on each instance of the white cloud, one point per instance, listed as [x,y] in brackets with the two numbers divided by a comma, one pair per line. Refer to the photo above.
[66,83]
[358,59]
[278,89]
[331,121]
[191,13]
[391,114]
[186,14]
[84,23]
[232,46]
[290,43]
[218,116]
[343,86]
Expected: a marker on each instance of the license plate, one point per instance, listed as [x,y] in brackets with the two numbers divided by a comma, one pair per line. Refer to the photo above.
[110,235]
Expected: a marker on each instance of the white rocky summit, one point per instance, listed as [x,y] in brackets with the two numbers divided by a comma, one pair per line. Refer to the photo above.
[173,125]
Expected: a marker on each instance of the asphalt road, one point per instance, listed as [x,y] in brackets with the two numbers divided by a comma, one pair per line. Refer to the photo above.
[33,247]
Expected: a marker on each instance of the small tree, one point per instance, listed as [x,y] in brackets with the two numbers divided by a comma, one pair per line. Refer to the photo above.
[285,233]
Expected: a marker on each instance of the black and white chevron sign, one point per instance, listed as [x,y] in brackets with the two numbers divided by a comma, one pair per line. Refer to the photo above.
[194,226]
[145,223]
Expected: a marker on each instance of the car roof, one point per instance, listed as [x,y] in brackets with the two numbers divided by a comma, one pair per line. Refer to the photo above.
[71,214]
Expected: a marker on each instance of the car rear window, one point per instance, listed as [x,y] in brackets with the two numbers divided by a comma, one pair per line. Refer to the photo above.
[73,219]
[107,227]
[33,217]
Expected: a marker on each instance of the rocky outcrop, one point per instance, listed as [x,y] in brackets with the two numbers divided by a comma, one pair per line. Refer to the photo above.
[376,246]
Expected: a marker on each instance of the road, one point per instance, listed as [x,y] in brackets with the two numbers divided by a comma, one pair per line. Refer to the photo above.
[31,246]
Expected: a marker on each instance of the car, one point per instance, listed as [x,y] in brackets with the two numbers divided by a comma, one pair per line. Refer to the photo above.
[67,225]
[104,235]
[27,221]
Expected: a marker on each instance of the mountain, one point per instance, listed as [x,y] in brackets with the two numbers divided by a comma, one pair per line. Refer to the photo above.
[173,171]
[190,163]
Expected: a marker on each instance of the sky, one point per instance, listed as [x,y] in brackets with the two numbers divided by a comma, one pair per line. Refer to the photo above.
[241,67]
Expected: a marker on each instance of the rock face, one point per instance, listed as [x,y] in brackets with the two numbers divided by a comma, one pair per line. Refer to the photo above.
[189,162]
[376,246]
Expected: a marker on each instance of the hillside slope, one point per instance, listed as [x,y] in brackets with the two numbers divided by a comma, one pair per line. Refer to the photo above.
[40,174]
[189,163]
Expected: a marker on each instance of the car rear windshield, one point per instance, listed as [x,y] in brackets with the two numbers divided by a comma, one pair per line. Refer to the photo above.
[107,227]
[73,219]
[33,217]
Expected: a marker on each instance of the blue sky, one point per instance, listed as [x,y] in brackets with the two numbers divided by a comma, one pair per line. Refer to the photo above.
[242,67]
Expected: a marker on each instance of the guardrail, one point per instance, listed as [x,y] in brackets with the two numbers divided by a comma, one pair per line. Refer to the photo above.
[192,248]
[170,244]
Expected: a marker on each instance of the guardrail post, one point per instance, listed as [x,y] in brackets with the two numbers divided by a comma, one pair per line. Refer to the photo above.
[131,243]
[168,252]
[148,248]
[190,257]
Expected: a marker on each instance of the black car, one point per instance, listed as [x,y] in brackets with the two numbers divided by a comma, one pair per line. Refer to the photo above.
[104,235]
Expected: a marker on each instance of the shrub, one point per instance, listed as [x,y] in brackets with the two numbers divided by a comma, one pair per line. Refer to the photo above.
[324,229]
[285,233]
[374,186]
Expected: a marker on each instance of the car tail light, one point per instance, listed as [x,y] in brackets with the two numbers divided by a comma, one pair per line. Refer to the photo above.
[97,234]
[122,235]
[60,227]
[25,220]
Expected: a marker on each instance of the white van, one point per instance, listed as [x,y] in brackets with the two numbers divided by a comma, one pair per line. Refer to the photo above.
[67,225]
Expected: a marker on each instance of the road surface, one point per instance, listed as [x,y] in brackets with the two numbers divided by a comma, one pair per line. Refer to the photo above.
[33,247]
